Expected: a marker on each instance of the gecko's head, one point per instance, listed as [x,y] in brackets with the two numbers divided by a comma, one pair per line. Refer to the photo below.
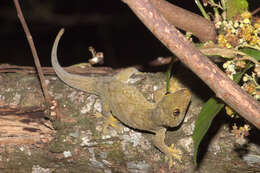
[171,109]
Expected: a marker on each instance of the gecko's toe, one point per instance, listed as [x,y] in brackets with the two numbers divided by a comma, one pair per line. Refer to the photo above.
[111,121]
[172,153]
[98,115]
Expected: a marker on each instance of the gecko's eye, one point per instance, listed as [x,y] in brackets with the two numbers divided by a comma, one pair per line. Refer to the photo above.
[176,112]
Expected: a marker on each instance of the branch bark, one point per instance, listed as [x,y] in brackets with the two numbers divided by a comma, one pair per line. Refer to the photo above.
[187,20]
[224,88]
[6,68]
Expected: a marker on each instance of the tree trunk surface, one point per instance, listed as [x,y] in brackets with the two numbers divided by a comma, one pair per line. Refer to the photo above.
[32,143]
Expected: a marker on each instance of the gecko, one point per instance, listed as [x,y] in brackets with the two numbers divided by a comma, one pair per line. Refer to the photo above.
[127,104]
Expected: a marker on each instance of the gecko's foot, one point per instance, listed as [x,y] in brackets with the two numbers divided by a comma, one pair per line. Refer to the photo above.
[172,153]
[112,121]
[98,115]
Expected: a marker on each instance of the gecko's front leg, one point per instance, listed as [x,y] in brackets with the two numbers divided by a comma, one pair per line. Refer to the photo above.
[110,120]
[122,76]
[170,152]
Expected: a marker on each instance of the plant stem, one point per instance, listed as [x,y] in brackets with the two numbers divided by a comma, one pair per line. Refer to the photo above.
[202,10]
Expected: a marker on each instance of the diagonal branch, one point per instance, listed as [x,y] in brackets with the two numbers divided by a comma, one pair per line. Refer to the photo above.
[224,88]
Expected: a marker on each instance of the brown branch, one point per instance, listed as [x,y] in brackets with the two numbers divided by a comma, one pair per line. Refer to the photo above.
[255,11]
[6,68]
[187,20]
[34,52]
[161,61]
[224,88]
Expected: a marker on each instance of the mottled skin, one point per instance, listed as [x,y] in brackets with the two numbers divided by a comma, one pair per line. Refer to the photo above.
[127,104]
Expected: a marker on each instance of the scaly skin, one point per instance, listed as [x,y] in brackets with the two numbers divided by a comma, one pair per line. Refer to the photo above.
[128,105]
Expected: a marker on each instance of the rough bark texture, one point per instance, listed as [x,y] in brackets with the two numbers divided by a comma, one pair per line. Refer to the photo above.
[187,21]
[80,146]
[25,129]
[224,88]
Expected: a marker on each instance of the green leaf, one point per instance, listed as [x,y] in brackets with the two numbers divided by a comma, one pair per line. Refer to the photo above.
[205,117]
[238,76]
[252,52]
[208,112]
[235,7]
[168,74]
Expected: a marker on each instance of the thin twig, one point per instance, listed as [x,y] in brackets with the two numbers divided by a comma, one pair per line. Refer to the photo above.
[255,11]
[34,52]
[189,55]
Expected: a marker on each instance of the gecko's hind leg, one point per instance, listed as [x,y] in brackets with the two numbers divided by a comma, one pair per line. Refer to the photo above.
[169,152]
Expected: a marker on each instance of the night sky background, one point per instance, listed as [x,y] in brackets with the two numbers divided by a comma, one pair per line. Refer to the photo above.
[108,26]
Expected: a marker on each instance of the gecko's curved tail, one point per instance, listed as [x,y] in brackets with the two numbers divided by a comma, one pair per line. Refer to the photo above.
[84,83]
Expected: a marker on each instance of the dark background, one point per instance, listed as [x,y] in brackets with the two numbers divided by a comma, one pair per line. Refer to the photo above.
[108,26]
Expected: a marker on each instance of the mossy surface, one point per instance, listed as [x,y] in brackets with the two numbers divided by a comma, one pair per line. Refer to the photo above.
[79,144]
